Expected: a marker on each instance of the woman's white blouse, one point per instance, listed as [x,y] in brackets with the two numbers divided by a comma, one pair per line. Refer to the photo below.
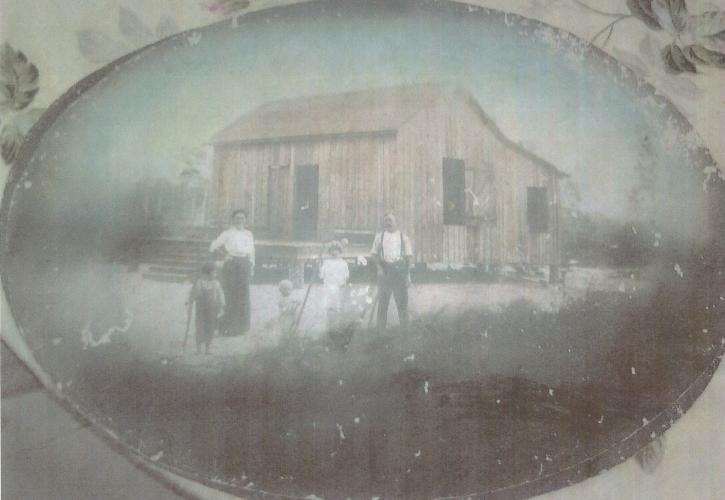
[236,242]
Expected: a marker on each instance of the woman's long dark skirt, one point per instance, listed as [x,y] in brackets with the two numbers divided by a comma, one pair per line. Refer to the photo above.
[235,281]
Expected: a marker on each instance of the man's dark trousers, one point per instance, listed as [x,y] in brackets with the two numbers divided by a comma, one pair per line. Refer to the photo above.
[394,281]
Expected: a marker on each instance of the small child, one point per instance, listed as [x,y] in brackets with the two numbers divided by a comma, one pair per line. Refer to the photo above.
[207,295]
[335,274]
[287,308]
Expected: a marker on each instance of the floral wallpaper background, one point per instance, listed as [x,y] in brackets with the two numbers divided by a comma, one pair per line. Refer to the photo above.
[676,45]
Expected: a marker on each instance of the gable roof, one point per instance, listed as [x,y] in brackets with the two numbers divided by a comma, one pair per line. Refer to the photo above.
[374,111]
[357,112]
[491,124]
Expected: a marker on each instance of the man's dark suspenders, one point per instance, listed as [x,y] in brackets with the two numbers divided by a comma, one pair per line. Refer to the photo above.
[381,248]
[403,256]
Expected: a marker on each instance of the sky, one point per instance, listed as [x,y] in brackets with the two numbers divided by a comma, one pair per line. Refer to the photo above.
[543,90]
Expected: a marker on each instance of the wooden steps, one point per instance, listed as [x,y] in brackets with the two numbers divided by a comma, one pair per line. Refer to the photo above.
[167,278]
[173,260]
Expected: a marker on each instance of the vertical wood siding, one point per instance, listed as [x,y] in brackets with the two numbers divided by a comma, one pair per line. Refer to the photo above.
[361,177]
[349,181]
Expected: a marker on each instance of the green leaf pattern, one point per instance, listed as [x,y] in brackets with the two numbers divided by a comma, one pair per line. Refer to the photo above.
[18,79]
[18,87]
[704,56]
[675,60]
[705,33]
[642,10]
[10,140]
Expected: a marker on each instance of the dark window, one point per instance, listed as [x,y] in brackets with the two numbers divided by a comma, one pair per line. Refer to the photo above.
[537,210]
[454,192]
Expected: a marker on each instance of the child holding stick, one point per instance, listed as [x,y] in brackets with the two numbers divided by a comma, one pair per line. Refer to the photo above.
[207,297]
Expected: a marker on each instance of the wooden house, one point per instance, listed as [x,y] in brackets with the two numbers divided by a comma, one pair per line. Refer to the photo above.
[309,168]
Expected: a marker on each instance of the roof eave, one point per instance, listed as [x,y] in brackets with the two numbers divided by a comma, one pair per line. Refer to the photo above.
[502,137]
[303,138]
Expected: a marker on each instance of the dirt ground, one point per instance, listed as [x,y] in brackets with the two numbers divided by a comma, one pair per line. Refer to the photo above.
[492,377]
[158,320]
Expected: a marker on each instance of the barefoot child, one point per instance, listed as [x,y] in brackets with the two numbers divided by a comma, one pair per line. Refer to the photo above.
[207,295]
[287,308]
[335,275]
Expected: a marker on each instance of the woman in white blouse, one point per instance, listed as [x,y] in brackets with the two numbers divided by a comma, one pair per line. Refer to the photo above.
[237,245]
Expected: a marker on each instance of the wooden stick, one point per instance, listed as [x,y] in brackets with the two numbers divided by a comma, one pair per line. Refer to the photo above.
[307,293]
[372,310]
[188,323]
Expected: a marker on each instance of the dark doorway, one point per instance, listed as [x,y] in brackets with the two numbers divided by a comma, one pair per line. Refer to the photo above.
[278,202]
[304,215]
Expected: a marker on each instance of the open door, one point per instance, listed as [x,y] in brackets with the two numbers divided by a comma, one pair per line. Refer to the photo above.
[278,202]
[305,210]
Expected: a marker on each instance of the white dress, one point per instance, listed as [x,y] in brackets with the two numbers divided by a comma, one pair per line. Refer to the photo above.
[335,274]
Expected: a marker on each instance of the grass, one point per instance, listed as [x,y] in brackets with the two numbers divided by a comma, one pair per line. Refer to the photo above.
[411,413]
[458,403]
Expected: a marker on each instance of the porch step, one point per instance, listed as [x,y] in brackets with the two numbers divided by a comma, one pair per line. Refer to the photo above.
[174,262]
[181,249]
[166,278]
[181,270]
[200,246]
[176,255]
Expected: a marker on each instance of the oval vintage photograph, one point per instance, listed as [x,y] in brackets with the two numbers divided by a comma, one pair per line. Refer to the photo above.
[370,249]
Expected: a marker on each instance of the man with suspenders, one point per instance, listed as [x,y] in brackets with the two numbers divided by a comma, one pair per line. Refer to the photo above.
[393,255]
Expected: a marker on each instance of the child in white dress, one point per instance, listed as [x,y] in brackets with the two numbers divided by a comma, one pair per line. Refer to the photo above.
[335,274]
